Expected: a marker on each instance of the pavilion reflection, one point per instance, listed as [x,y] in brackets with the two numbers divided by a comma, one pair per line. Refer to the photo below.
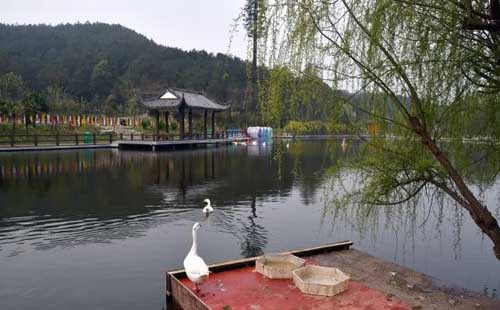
[97,196]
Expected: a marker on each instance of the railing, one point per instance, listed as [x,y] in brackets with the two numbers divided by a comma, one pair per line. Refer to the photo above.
[104,138]
[187,136]
[55,139]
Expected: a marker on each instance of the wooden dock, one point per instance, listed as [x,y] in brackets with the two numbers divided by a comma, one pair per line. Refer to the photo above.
[162,145]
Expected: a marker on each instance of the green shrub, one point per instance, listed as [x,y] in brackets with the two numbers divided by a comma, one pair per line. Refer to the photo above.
[162,125]
[145,123]
[173,126]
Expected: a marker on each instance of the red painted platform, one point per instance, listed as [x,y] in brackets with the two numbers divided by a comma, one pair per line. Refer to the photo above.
[245,289]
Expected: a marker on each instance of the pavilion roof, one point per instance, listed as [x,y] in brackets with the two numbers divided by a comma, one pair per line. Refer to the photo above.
[173,98]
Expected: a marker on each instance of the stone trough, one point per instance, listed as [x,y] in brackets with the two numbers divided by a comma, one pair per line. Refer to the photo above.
[278,266]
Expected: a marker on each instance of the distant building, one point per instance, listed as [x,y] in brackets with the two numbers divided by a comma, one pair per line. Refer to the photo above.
[177,101]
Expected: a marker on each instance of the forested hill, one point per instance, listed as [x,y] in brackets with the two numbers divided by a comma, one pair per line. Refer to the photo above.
[102,66]
[96,67]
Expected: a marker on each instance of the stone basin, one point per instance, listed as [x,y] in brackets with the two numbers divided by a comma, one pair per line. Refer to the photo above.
[278,266]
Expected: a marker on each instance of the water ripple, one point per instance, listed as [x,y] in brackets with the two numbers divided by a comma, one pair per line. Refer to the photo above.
[45,232]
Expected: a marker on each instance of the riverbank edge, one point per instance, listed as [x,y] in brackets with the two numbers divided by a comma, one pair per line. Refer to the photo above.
[56,148]
[419,290]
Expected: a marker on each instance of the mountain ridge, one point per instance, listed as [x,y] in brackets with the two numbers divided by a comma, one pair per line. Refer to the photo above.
[93,61]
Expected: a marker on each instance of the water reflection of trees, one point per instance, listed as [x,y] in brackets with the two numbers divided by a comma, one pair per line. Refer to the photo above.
[304,163]
[108,185]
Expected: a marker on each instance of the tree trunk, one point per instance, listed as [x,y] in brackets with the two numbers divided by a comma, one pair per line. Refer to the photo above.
[181,123]
[479,213]
[167,125]
[254,57]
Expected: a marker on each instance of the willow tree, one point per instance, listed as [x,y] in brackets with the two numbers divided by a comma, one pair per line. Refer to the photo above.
[437,62]
[276,97]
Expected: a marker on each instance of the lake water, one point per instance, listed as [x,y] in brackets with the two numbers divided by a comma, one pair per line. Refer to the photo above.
[98,229]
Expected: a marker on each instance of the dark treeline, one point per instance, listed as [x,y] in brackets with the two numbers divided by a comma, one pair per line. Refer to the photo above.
[102,68]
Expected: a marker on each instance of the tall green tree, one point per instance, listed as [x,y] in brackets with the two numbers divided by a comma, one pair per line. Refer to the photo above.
[102,78]
[33,103]
[254,21]
[12,93]
[436,61]
[12,87]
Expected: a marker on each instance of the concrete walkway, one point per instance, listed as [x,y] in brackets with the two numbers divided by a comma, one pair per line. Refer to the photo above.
[171,144]
[154,145]
[56,148]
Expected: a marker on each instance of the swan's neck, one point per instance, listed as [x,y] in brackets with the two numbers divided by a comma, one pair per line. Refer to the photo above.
[194,246]
[209,204]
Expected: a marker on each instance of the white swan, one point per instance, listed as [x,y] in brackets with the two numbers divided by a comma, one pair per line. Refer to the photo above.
[195,267]
[208,208]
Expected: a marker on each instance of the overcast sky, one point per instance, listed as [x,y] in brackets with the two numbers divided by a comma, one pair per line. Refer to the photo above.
[187,24]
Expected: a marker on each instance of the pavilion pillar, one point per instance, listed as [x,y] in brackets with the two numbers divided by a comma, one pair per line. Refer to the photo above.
[205,124]
[213,124]
[157,120]
[190,123]
[166,122]
[181,122]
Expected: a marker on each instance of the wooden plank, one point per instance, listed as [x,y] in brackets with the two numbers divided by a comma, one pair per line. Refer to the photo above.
[168,289]
[338,246]
[184,297]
